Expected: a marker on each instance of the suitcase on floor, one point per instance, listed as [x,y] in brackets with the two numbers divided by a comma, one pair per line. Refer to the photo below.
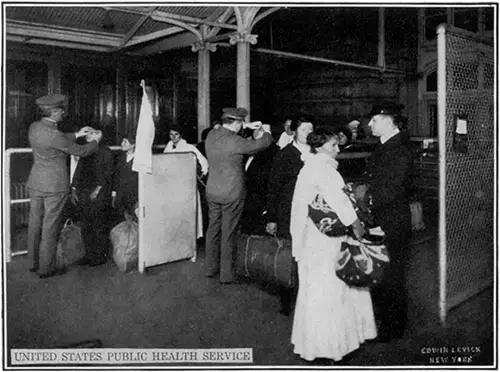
[265,259]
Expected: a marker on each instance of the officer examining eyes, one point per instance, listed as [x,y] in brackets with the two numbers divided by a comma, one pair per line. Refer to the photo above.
[225,190]
[48,183]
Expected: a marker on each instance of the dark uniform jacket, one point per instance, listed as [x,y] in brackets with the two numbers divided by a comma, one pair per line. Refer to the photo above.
[391,166]
[286,167]
[51,147]
[225,152]
[257,181]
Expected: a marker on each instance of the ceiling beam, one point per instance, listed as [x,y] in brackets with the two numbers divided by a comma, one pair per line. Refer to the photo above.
[194,30]
[214,39]
[64,34]
[176,42]
[153,36]
[223,18]
[303,57]
[238,10]
[135,28]
[249,16]
[57,43]
[16,38]
[166,17]
[188,19]
[264,14]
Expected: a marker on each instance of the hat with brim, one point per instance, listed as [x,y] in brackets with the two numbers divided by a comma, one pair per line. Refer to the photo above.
[237,113]
[386,108]
[52,101]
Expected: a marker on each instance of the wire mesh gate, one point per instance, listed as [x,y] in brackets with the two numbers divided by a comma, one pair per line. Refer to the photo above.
[467,148]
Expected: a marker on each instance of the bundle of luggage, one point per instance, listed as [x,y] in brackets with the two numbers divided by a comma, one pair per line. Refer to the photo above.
[125,240]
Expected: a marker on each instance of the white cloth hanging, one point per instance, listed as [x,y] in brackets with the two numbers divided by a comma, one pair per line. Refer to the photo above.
[143,158]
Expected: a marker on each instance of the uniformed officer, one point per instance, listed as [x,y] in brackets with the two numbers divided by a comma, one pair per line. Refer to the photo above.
[48,183]
[225,189]
[389,187]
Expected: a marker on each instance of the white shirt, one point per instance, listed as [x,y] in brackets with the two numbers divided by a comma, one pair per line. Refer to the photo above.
[183,146]
[285,139]
[304,149]
[387,137]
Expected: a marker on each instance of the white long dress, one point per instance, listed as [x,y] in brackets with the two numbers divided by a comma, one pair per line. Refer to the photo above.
[331,319]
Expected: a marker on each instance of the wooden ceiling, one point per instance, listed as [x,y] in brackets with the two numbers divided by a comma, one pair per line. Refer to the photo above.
[135,30]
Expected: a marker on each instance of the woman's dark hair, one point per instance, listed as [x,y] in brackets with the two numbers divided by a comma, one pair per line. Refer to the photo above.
[296,121]
[176,128]
[293,124]
[318,138]
[129,135]
[346,131]
[131,139]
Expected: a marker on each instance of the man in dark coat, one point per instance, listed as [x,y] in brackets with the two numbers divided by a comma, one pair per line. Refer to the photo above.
[389,187]
[48,182]
[91,190]
[225,188]
[286,167]
[258,170]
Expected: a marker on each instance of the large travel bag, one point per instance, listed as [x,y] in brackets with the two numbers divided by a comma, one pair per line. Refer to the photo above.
[125,240]
[265,259]
[70,247]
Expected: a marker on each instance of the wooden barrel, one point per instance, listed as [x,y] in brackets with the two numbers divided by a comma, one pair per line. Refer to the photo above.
[265,259]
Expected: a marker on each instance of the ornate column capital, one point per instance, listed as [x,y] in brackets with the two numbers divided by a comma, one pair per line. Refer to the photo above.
[201,45]
[243,37]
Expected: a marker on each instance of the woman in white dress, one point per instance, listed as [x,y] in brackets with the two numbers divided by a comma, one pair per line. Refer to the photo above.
[331,319]
[179,144]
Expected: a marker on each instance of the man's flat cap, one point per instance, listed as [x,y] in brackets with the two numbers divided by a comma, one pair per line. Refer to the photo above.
[386,108]
[52,100]
[235,112]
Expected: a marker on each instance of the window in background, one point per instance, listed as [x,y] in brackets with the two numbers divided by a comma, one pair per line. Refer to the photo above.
[466,18]
[432,118]
[488,19]
[431,82]
[433,18]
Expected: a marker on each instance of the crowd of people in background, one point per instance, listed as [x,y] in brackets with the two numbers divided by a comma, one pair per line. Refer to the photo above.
[248,183]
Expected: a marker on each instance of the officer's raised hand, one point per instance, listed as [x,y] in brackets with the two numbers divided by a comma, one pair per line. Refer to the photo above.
[84,131]
[253,125]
